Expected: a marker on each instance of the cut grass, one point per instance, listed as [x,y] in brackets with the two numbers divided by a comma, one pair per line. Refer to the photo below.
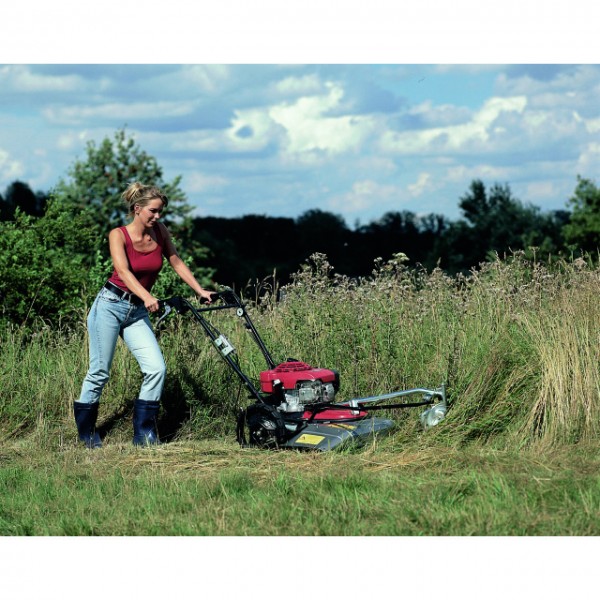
[216,489]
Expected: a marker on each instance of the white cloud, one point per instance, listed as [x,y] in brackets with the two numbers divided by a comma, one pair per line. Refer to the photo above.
[571,87]
[542,126]
[443,115]
[9,168]
[588,163]
[309,129]
[250,130]
[71,140]
[307,84]
[20,78]
[485,172]
[440,140]
[365,194]
[286,138]
[422,185]
[302,129]
[591,125]
[209,78]
[76,115]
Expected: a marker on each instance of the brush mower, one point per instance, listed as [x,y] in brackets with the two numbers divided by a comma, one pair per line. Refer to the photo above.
[295,405]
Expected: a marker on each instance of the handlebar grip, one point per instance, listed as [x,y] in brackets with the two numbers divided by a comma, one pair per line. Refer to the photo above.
[175,302]
[213,297]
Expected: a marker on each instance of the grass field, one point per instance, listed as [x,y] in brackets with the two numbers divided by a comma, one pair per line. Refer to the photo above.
[214,488]
[517,344]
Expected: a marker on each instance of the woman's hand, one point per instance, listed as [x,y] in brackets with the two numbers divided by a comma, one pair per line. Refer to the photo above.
[151,304]
[205,295]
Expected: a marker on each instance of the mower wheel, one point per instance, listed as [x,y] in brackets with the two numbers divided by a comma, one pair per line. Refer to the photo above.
[266,427]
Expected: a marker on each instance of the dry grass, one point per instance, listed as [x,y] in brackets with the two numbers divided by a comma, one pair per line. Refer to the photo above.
[215,488]
[565,343]
[516,342]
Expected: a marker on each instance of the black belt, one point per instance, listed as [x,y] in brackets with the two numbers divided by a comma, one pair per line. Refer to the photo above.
[115,289]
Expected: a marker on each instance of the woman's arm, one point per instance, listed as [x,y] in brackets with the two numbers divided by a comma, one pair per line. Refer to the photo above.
[116,242]
[180,267]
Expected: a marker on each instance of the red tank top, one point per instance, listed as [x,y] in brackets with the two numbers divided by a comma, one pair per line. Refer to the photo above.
[144,265]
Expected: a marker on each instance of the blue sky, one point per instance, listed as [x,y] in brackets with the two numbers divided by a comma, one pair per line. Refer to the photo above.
[280,137]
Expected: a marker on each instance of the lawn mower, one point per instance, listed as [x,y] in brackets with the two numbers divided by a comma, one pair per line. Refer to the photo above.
[295,406]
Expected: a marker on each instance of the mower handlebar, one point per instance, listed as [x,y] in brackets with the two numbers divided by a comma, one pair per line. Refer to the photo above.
[213,298]
[227,296]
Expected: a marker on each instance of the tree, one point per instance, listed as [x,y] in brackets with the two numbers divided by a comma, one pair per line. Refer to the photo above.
[98,181]
[496,223]
[583,230]
[5,210]
[20,195]
[43,271]
[52,266]
[324,232]
[95,186]
[417,236]
[249,248]
[496,218]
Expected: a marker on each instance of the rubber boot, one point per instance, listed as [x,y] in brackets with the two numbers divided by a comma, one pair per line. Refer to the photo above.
[85,418]
[144,423]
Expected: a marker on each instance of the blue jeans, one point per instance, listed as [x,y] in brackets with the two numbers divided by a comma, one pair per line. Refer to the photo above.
[109,318]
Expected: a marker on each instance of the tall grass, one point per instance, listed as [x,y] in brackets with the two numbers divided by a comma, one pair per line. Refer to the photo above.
[516,342]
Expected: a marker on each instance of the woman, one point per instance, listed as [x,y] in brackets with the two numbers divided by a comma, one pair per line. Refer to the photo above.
[121,309]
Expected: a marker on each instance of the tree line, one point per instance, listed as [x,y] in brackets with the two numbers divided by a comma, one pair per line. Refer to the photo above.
[54,255]
[493,223]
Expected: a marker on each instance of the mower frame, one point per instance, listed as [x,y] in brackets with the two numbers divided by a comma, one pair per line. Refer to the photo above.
[314,432]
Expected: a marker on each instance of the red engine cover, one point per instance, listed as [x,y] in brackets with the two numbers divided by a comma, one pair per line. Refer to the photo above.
[290,373]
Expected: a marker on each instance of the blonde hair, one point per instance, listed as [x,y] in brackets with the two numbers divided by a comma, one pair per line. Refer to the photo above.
[140,194]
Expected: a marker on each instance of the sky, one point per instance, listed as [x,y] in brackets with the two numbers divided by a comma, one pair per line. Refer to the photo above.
[276,112]
[357,140]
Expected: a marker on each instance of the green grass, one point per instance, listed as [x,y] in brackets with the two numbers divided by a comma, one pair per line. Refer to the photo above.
[213,488]
[516,342]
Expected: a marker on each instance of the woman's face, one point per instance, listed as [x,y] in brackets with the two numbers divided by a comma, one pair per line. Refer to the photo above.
[150,213]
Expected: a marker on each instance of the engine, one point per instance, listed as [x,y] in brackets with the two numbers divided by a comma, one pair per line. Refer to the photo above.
[297,385]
